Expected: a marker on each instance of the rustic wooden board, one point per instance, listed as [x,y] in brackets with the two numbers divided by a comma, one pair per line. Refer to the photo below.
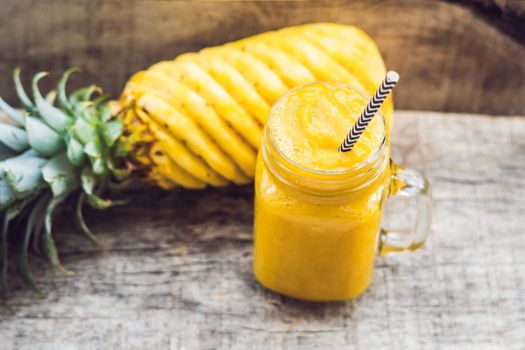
[464,56]
[175,271]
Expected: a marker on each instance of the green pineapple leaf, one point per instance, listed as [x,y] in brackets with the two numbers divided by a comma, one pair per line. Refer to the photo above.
[98,203]
[105,112]
[75,151]
[14,138]
[111,131]
[21,256]
[84,131]
[53,116]
[88,180]
[20,91]
[12,113]
[84,94]
[10,214]
[81,222]
[23,173]
[49,243]
[61,175]
[63,100]
[42,138]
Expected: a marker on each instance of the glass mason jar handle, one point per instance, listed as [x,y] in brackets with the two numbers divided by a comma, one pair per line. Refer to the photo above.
[408,183]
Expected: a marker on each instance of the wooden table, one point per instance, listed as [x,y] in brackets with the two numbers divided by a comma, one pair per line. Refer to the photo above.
[175,271]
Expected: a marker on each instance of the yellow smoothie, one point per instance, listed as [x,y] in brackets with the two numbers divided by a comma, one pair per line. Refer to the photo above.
[318,211]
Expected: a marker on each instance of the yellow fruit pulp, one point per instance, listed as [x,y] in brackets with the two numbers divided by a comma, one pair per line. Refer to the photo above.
[311,122]
[317,218]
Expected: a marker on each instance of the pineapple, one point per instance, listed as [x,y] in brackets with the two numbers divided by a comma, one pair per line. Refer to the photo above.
[192,122]
[214,103]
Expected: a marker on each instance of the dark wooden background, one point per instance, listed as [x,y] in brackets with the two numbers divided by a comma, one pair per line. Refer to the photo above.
[466,56]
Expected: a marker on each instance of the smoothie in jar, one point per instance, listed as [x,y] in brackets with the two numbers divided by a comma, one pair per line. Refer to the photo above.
[318,211]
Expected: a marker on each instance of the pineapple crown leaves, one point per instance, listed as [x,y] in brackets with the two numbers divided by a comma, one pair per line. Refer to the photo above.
[58,145]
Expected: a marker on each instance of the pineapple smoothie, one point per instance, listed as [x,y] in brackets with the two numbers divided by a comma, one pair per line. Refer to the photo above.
[317,210]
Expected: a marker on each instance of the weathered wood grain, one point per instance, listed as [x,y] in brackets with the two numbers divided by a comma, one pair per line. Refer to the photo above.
[465,56]
[175,271]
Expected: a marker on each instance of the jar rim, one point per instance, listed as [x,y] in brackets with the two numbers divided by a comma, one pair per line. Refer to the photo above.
[373,157]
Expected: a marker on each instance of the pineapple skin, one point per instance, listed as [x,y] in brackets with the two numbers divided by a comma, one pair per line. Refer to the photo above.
[197,120]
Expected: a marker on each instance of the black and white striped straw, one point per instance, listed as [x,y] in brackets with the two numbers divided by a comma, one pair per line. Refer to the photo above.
[368,113]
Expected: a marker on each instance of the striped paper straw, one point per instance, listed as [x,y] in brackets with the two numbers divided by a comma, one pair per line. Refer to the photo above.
[368,113]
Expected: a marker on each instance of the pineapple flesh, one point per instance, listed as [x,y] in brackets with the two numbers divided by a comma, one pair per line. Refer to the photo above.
[207,110]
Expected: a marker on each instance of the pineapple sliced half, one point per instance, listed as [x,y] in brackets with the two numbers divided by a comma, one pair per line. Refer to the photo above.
[239,81]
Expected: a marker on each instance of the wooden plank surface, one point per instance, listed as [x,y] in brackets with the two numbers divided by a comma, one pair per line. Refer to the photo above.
[466,56]
[175,271]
